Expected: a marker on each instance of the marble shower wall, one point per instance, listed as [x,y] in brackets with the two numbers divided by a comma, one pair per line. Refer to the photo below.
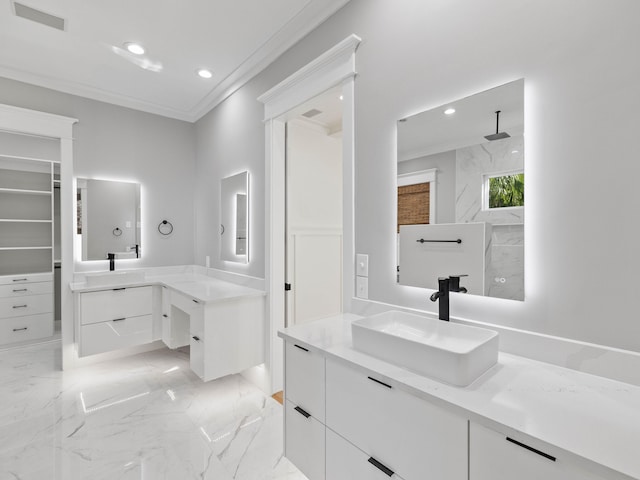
[505,271]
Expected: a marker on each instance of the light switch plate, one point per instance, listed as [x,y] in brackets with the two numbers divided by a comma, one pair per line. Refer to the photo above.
[362,287]
[362,265]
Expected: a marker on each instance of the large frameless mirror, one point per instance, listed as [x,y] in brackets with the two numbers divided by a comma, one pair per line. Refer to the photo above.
[461,194]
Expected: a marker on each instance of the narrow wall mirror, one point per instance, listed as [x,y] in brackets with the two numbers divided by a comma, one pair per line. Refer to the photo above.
[461,194]
[108,218]
[234,218]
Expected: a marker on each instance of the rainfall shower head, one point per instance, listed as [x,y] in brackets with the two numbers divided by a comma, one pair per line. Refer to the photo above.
[498,135]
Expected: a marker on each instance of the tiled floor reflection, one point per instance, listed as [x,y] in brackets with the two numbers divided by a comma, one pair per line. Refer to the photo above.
[145,417]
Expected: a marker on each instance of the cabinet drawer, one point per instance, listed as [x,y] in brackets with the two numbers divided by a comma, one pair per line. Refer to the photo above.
[495,456]
[29,278]
[346,462]
[26,305]
[409,435]
[20,329]
[304,379]
[186,304]
[106,336]
[20,290]
[107,305]
[304,442]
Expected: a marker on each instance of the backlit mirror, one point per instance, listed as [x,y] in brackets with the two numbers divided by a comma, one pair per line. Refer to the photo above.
[108,218]
[461,194]
[234,218]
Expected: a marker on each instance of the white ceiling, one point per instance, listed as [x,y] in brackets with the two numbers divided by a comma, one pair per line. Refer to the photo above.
[432,131]
[235,39]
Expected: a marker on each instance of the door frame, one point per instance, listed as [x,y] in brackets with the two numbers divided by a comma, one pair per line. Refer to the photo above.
[334,67]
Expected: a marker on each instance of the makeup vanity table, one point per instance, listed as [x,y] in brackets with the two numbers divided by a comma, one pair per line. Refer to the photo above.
[221,322]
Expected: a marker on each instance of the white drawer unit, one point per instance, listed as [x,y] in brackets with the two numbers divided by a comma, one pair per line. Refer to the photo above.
[496,456]
[347,462]
[120,333]
[20,306]
[20,290]
[28,278]
[305,442]
[408,435]
[21,329]
[115,318]
[115,303]
[304,379]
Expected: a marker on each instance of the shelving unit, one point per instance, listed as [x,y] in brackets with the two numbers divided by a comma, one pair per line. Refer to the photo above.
[26,245]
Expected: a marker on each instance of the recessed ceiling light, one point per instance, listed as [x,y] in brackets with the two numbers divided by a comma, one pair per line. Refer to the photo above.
[450,111]
[204,73]
[341,97]
[134,48]
[514,151]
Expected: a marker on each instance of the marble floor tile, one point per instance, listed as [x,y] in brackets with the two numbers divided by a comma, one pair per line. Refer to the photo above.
[145,417]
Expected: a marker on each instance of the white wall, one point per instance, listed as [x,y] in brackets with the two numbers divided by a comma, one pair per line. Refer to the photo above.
[116,143]
[580,64]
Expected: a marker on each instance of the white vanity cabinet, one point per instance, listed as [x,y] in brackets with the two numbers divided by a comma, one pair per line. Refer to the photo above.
[343,423]
[496,456]
[404,433]
[225,336]
[115,318]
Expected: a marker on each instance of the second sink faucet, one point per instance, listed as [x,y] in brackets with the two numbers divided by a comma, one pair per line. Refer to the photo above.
[446,285]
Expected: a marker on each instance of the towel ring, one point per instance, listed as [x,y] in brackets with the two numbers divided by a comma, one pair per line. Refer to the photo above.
[117,232]
[165,227]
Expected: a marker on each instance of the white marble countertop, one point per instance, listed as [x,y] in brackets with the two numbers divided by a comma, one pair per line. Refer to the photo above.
[200,287]
[591,417]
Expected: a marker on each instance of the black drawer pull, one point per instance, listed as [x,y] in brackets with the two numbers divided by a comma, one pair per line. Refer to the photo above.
[301,348]
[165,315]
[19,329]
[302,412]
[119,289]
[19,280]
[531,449]
[16,290]
[118,319]
[195,301]
[19,306]
[381,383]
[196,338]
[381,467]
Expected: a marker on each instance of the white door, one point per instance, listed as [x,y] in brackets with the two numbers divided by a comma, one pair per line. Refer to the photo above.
[314,218]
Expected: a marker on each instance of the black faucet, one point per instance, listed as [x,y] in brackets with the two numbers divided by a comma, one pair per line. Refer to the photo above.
[112,261]
[446,285]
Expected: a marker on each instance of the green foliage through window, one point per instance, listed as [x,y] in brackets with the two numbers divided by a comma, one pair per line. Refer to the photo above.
[506,191]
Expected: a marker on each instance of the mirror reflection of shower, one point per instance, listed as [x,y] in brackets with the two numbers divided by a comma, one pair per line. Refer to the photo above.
[234,218]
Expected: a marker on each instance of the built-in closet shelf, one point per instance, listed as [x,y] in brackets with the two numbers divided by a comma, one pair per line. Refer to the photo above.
[33,159]
[25,192]
[23,220]
[25,248]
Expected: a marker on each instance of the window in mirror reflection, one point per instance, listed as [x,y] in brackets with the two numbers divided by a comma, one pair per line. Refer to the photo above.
[504,190]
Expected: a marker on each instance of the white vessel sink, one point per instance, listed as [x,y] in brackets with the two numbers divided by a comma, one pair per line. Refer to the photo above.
[122,277]
[451,352]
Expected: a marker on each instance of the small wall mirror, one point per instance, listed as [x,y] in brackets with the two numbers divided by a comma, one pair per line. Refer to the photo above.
[461,194]
[108,218]
[234,218]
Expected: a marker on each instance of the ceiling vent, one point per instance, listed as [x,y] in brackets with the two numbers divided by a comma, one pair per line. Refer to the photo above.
[38,16]
[311,113]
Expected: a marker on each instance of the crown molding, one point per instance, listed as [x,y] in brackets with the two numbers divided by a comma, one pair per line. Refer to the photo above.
[292,32]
